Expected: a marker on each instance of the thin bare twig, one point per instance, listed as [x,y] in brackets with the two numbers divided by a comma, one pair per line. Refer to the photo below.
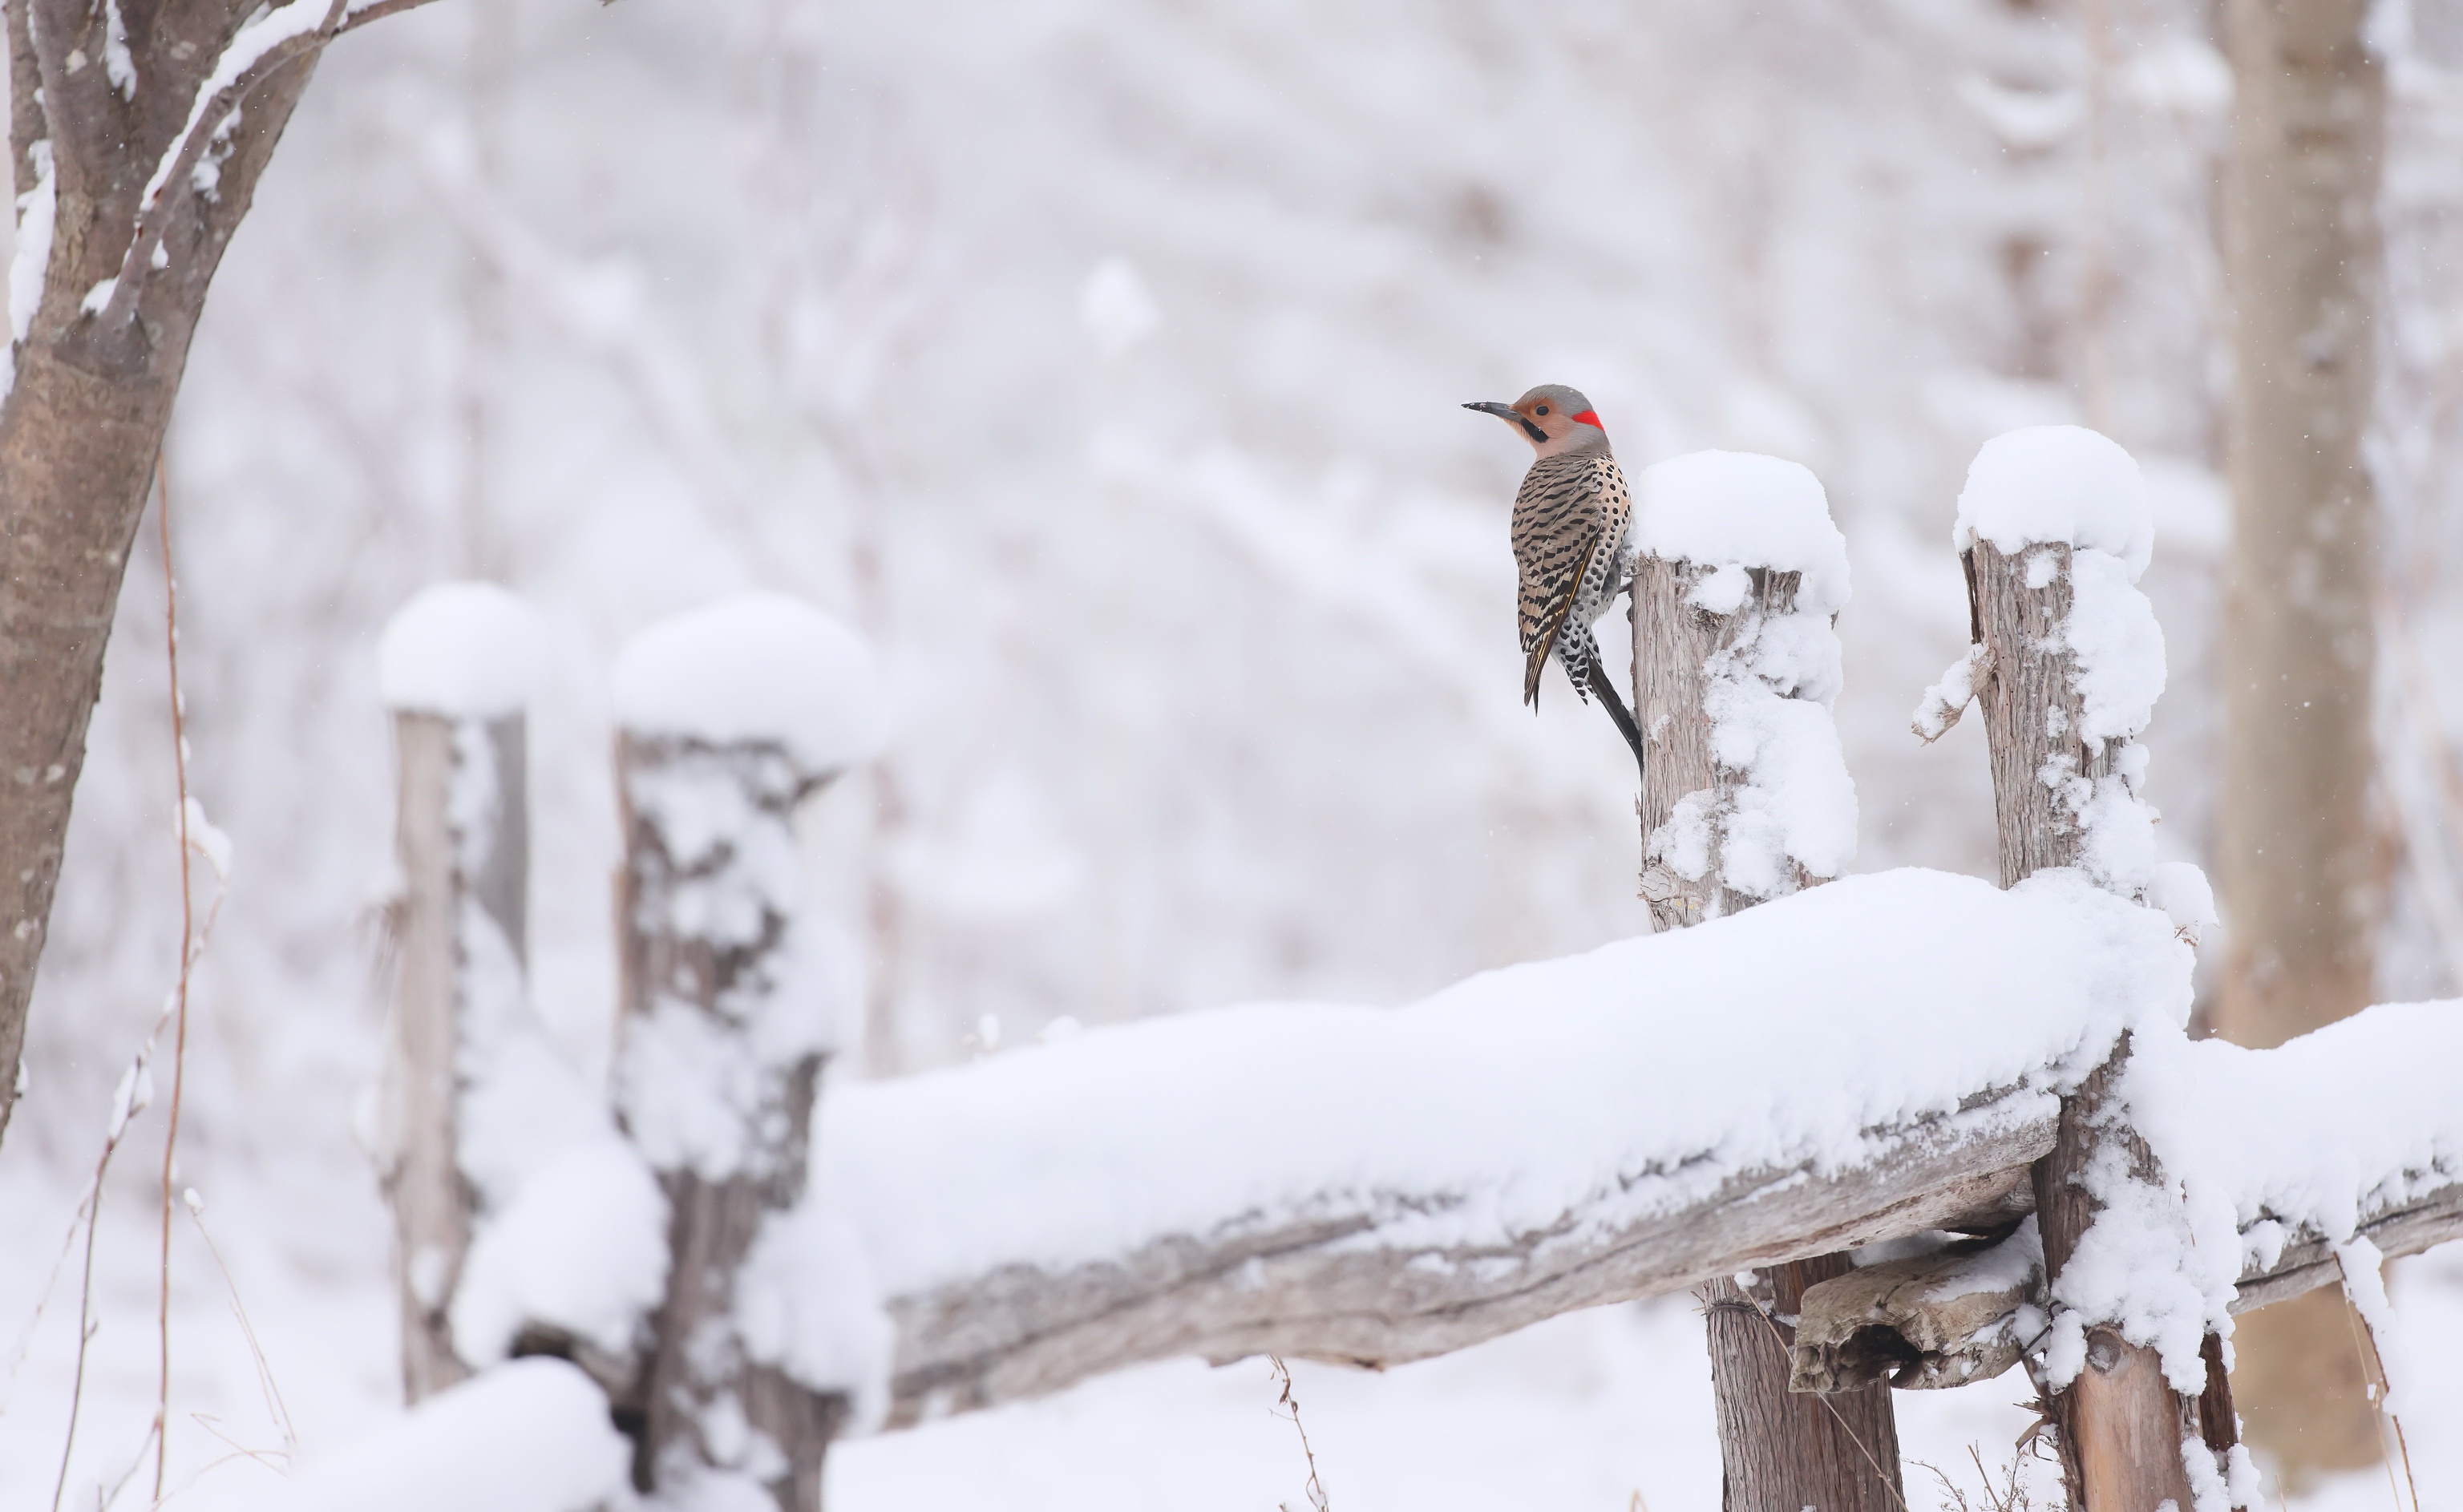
[2365,1340]
[275,1408]
[85,1288]
[1315,1489]
[188,960]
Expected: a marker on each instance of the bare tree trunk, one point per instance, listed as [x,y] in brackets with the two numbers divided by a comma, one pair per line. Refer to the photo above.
[2296,866]
[2120,1423]
[464,844]
[1781,1452]
[704,932]
[124,173]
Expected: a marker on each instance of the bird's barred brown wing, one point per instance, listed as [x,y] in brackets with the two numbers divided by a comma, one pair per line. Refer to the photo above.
[1560,520]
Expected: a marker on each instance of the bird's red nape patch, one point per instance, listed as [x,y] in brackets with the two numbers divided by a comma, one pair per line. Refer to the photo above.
[1591,418]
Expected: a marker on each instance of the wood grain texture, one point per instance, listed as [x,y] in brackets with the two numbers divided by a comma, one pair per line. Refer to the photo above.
[1839,1451]
[444,868]
[1781,1451]
[1324,1288]
[1673,641]
[2120,1425]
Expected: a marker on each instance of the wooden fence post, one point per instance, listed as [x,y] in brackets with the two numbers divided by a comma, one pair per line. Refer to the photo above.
[729,717]
[456,666]
[1740,576]
[2065,794]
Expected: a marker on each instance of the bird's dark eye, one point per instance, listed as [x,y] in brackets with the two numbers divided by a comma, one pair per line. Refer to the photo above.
[1541,410]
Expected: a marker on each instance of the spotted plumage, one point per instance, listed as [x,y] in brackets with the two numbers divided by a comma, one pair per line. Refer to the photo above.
[1570,519]
[1569,528]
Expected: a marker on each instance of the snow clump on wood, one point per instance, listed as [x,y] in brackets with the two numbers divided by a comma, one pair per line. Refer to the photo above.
[763,668]
[465,651]
[1769,692]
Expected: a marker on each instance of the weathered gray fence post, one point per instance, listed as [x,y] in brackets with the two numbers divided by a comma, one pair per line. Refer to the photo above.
[1746,796]
[2054,529]
[456,666]
[729,718]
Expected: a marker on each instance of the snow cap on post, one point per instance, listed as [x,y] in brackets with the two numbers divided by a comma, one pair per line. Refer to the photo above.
[1737,509]
[2058,483]
[465,651]
[760,667]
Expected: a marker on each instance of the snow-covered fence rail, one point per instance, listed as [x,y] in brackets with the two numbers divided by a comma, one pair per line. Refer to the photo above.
[1381,1186]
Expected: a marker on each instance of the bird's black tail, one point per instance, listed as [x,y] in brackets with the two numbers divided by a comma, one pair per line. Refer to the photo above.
[1604,686]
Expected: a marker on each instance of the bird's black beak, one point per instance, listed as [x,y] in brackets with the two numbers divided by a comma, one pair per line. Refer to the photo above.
[1506,413]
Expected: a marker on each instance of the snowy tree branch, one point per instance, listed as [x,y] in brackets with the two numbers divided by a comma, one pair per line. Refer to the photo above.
[252,55]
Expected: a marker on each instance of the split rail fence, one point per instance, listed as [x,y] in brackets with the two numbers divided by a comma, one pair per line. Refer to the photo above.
[748,1268]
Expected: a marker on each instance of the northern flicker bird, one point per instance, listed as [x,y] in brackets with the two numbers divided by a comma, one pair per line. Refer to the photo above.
[1569,529]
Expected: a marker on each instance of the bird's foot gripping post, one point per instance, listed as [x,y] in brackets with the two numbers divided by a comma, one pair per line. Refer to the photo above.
[1744,796]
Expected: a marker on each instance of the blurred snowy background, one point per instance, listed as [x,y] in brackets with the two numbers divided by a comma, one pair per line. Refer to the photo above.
[1100,360]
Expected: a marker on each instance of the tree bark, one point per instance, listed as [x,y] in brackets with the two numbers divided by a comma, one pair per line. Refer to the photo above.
[2118,1423]
[2295,864]
[84,419]
[1838,1452]
[1781,1452]
[707,830]
[463,840]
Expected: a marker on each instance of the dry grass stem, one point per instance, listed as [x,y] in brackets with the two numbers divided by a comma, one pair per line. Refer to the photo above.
[1288,1405]
[187,961]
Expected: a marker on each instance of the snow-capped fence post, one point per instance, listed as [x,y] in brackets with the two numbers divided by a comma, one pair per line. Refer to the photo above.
[728,717]
[2054,529]
[456,667]
[1746,796]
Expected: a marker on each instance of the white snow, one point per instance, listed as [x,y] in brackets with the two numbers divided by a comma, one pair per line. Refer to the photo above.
[462,649]
[1479,1114]
[260,36]
[1736,508]
[806,1302]
[2031,491]
[759,668]
[1116,309]
[2111,631]
[2181,890]
[1769,694]
[1946,699]
[570,1226]
[30,261]
[117,62]
[2057,483]
[531,1436]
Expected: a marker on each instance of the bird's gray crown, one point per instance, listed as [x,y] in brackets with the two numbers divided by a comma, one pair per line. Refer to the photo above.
[1565,401]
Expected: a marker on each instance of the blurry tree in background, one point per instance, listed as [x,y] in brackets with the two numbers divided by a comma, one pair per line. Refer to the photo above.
[2296,851]
[134,161]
